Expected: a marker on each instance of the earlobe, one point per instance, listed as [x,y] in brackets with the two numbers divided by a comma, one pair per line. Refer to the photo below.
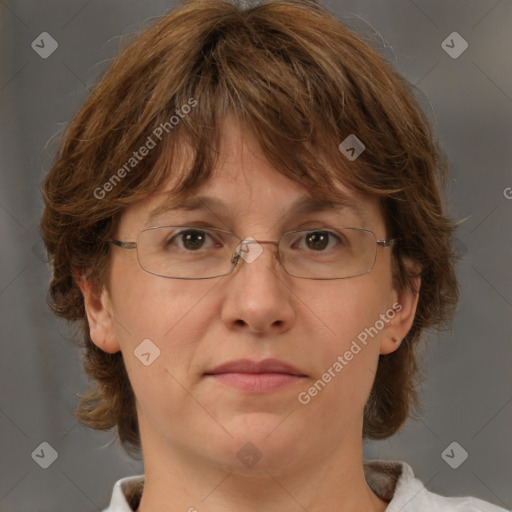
[405,312]
[101,323]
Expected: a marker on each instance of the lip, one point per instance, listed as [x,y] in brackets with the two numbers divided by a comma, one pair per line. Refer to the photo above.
[256,376]
[249,366]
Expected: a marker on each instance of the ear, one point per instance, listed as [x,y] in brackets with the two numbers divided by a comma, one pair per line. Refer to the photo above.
[101,321]
[400,318]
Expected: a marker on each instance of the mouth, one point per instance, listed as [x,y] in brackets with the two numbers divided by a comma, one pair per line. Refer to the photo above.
[256,376]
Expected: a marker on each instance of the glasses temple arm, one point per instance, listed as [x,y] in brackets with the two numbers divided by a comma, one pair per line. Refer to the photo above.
[123,245]
[387,243]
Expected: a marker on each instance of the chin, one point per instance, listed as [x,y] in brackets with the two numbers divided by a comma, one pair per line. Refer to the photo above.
[262,443]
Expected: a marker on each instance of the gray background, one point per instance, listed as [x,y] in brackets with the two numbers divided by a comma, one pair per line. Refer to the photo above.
[468,392]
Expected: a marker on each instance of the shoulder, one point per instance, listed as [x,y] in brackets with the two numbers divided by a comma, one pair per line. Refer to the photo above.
[395,482]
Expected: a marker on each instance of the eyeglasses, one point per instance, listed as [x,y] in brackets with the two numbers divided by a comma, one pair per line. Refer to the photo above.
[186,252]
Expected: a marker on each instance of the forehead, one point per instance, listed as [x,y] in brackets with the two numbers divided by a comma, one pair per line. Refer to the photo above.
[244,182]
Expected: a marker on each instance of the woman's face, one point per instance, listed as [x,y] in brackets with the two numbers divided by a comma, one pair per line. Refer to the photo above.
[174,333]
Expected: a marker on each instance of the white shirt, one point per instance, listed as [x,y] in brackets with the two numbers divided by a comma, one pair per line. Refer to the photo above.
[392,481]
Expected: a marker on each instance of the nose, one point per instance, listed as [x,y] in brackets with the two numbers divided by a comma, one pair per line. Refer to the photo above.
[258,295]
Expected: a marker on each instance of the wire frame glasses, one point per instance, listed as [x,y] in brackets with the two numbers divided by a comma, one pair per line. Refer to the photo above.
[187,252]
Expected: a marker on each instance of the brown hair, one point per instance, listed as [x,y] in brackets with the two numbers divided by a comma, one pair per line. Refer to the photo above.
[301,82]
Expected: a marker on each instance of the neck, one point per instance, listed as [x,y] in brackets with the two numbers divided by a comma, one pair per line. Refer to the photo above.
[177,480]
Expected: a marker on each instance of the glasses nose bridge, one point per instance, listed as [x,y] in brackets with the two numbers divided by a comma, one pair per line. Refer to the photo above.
[270,242]
[242,247]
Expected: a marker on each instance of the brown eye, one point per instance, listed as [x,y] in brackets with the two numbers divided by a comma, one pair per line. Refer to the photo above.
[193,240]
[318,240]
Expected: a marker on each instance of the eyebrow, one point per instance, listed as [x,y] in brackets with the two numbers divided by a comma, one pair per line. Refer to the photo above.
[301,206]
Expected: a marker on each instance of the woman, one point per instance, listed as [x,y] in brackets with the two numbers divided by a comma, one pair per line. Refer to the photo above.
[246,218]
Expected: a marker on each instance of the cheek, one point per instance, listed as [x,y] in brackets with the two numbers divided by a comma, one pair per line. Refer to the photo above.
[137,295]
[349,307]
[346,329]
[160,326]
[170,313]
[344,355]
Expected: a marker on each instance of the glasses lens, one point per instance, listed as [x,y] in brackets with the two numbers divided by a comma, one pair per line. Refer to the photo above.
[330,253]
[186,252]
